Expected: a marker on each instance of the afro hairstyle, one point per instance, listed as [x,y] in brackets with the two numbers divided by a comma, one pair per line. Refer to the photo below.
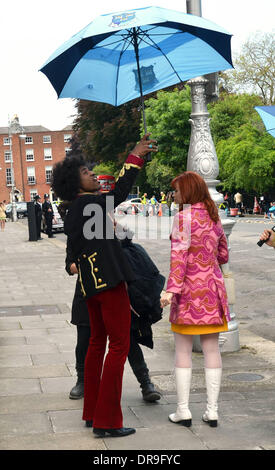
[66,177]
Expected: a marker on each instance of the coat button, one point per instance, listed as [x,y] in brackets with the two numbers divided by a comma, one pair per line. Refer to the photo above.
[99,280]
[84,256]
[96,270]
[93,259]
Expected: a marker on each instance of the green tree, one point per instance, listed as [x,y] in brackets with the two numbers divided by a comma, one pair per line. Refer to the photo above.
[167,118]
[107,133]
[247,160]
[231,112]
[106,168]
[159,176]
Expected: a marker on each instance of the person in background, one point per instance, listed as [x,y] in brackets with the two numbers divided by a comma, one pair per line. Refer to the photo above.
[264,204]
[238,198]
[154,203]
[196,292]
[271,211]
[163,202]
[163,199]
[38,215]
[144,202]
[48,214]
[2,216]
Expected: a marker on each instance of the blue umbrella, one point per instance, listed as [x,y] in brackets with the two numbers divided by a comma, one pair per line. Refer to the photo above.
[121,56]
[267,114]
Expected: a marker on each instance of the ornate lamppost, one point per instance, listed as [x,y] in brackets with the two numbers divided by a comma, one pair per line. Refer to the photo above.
[14,128]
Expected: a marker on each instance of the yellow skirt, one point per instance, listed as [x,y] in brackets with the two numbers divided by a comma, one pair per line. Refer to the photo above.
[199,329]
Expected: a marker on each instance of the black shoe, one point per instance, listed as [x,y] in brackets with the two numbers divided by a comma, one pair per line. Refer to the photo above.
[89,424]
[121,432]
[147,388]
[77,391]
[150,394]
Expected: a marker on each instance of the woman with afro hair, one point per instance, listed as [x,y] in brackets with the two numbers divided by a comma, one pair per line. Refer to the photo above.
[103,273]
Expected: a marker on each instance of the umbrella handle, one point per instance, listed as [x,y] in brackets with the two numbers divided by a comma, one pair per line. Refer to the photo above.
[148,157]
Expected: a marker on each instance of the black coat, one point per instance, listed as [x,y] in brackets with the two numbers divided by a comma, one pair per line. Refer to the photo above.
[144,293]
[98,253]
[80,315]
[45,208]
[38,211]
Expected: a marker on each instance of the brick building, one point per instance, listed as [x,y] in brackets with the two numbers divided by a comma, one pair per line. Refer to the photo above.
[34,150]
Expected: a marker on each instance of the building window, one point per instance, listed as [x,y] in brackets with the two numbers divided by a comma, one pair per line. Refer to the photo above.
[47,139]
[8,156]
[28,140]
[33,192]
[8,177]
[7,140]
[29,155]
[48,154]
[67,137]
[31,175]
[48,173]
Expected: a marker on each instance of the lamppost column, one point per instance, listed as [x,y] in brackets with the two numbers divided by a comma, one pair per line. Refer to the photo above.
[202,159]
[13,203]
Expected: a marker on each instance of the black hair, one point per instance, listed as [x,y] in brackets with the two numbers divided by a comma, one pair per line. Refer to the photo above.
[66,177]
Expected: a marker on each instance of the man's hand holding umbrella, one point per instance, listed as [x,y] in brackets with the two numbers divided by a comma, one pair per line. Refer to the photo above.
[144,146]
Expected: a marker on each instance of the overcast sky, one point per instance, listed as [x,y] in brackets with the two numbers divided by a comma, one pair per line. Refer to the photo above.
[31,30]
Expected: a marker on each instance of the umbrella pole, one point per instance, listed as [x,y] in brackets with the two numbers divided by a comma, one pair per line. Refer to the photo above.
[140,85]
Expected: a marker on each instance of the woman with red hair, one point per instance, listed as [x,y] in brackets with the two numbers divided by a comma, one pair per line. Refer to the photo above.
[196,292]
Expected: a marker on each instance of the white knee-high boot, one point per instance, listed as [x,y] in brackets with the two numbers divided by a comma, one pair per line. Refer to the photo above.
[183,381]
[213,383]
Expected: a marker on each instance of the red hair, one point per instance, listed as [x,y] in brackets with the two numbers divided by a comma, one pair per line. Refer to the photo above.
[193,189]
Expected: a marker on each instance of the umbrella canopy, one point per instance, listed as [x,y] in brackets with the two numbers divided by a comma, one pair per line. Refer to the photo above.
[121,56]
[267,114]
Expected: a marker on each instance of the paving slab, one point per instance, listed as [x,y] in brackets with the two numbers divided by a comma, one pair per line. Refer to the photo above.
[19,386]
[21,424]
[29,372]
[57,384]
[170,437]
[38,402]
[77,441]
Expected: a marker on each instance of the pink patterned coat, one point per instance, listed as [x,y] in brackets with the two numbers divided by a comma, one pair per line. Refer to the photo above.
[198,247]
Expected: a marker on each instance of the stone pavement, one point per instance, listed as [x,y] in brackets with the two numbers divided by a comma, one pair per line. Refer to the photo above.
[37,370]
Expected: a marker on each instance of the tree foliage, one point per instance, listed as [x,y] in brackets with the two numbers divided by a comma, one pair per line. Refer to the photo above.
[107,133]
[254,68]
[167,118]
[231,112]
[246,152]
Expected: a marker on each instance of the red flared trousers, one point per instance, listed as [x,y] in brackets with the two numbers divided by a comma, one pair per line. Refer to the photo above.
[110,318]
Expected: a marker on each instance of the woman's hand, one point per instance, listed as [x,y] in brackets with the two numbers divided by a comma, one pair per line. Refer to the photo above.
[73,268]
[166,299]
[145,146]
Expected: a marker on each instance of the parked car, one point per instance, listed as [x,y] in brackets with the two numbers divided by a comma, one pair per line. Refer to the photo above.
[58,224]
[21,209]
[127,206]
